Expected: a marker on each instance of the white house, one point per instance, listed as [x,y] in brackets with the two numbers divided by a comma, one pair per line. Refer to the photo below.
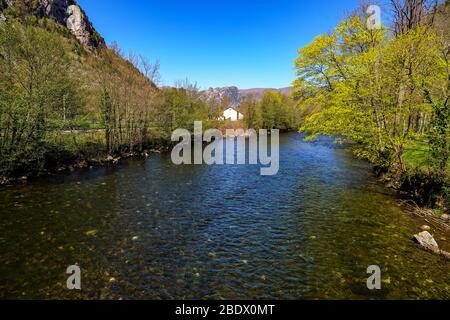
[232,114]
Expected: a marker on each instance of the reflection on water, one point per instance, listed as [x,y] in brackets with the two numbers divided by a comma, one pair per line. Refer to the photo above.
[147,229]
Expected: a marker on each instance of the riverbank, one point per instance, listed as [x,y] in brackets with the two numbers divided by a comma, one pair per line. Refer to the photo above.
[78,149]
[63,158]
[428,190]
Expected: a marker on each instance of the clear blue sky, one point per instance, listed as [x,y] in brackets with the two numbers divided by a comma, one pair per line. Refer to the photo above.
[217,43]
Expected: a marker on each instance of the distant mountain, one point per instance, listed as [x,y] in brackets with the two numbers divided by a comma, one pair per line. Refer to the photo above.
[236,95]
[259,92]
[217,95]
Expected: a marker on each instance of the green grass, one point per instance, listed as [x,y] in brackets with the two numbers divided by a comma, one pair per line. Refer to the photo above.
[417,154]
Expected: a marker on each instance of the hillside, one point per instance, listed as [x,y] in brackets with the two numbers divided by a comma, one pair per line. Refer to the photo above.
[57,76]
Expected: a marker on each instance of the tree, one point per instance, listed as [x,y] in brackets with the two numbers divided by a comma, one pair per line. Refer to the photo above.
[410,14]
[251,111]
[35,85]
[440,131]
[367,87]
[270,109]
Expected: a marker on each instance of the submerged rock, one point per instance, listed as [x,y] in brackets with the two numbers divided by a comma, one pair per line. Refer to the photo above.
[445,217]
[425,228]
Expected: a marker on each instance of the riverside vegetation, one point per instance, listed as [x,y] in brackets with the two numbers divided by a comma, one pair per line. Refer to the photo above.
[385,90]
[62,103]
[388,91]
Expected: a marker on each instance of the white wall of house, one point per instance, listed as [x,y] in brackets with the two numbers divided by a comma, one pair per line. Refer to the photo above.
[232,114]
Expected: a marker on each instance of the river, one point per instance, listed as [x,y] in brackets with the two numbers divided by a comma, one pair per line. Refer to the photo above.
[147,229]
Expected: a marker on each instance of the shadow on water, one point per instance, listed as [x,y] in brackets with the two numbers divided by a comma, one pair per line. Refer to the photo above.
[150,229]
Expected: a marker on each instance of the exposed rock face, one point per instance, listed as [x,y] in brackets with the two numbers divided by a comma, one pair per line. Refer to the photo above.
[79,26]
[217,95]
[69,14]
[57,9]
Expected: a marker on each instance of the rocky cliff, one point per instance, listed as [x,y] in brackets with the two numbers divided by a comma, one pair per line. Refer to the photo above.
[65,12]
[217,95]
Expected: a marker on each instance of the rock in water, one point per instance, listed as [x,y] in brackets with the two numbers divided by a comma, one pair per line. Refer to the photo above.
[425,228]
[445,217]
[426,240]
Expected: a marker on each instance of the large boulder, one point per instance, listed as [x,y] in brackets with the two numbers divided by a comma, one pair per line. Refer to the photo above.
[426,240]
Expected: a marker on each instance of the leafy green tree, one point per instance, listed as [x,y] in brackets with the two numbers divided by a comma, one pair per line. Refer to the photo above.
[365,86]
[35,84]
[252,113]
[271,109]
[440,132]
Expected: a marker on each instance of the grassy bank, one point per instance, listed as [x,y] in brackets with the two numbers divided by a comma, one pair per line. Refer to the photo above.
[426,185]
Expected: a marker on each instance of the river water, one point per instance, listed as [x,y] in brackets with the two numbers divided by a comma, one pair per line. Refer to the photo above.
[147,229]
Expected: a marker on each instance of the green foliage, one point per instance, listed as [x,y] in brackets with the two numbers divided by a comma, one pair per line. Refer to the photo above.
[417,153]
[367,87]
[181,107]
[440,132]
[273,111]
[251,109]
[35,85]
